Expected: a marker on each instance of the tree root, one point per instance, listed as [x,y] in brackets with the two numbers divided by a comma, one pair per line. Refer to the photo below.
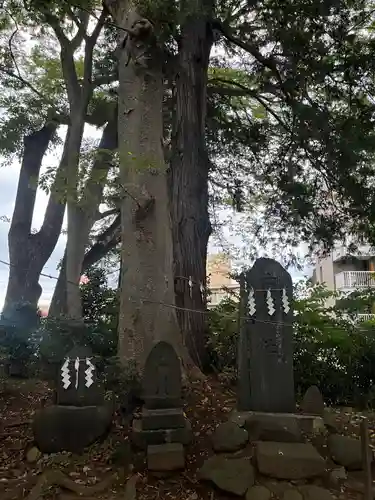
[51,478]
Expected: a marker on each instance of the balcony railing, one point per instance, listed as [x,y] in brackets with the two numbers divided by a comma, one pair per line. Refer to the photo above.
[351,280]
[365,317]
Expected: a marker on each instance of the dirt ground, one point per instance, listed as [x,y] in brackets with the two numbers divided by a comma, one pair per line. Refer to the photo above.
[106,467]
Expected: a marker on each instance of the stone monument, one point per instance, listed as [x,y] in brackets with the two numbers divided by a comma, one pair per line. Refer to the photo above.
[265,349]
[77,383]
[81,415]
[162,428]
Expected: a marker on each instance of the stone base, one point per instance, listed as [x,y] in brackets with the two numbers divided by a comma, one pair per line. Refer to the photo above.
[70,428]
[142,438]
[172,418]
[309,424]
[165,457]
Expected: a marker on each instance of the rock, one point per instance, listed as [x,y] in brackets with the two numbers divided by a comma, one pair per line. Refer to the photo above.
[165,457]
[273,428]
[258,493]
[70,428]
[229,437]
[292,494]
[312,402]
[277,488]
[289,460]
[234,475]
[312,492]
[330,423]
[337,475]
[33,455]
[346,451]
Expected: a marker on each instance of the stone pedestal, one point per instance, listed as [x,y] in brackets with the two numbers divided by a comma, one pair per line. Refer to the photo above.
[163,427]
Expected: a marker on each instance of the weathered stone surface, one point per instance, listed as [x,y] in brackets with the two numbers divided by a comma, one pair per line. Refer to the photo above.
[337,475]
[162,378]
[258,492]
[289,460]
[277,488]
[313,492]
[313,402]
[330,422]
[70,428]
[167,418]
[165,457]
[142,438]
[346,451]
[77,383]
[234,475]
[309,424]
[33,455]
[229,437]
[273,428]
[292,494]
[266,345]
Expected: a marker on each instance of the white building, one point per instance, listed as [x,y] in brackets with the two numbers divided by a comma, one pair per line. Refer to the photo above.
[345,270]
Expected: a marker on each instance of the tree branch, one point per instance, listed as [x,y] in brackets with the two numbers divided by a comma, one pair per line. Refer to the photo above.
[81,24]
[87,85]
[67,60]
[107,213]
[268,62]
[105,242]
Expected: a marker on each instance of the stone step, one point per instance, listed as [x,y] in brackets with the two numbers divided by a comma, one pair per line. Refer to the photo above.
[172,418]
[165,457]
[141,438]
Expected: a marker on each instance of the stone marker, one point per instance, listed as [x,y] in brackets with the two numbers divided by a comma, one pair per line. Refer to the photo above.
[289,460]
[265,363]
[77,380]
[313,402]
[162,378]
[162,419]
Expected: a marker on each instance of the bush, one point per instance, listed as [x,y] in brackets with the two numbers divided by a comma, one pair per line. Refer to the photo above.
[330,350]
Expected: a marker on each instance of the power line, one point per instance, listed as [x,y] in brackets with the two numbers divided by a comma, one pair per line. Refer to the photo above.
[205,312]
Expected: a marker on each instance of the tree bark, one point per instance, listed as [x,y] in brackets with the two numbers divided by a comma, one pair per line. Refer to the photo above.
[84,214]
[147,306]
[28,253]
[79,94]
[188,180]
[106,242]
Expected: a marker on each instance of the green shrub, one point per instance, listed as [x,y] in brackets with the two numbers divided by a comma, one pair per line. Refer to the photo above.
[330,350]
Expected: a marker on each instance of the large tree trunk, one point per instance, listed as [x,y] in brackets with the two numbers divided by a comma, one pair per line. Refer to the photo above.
[189,180]
[85,211]
[147,306]
[28,253]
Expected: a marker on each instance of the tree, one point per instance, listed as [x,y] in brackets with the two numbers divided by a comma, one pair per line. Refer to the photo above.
[46,93]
